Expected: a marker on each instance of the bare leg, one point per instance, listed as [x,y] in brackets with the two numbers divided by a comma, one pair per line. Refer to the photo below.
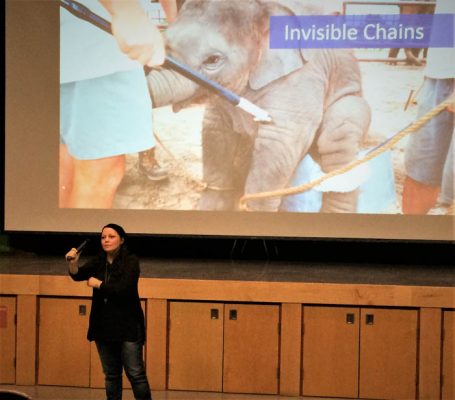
[393,53]
[412,57]
[95,182]
[418,197]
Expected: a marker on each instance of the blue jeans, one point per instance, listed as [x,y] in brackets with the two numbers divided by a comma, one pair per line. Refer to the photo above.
[114,357]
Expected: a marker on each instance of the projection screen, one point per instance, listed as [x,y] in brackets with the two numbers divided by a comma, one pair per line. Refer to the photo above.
[354,102]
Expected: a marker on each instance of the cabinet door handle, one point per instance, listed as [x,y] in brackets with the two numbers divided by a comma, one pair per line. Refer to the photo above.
[350,318]
[369,319]
[214,314]
[82,309]
[233,315]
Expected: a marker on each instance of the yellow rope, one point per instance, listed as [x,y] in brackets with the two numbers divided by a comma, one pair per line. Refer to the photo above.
[388,145]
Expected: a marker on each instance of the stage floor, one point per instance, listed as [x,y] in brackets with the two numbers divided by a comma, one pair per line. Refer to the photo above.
[71,393]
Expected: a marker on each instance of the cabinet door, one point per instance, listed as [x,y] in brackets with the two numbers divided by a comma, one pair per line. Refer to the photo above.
[388,354]
[195,346]
[7,340]
[330,351]
[448,356]
[251,340]
[64,351]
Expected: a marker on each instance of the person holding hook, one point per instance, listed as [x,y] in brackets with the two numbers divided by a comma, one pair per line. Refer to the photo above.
[105,105]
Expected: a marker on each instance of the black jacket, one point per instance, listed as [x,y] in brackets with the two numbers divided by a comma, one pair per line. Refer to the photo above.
[116,313]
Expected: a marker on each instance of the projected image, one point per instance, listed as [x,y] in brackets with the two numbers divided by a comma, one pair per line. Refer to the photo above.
[277,106]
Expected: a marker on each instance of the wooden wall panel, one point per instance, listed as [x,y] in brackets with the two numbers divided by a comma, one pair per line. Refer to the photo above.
[251,349]
[257,291]
[156,343]
[388,354]
[7,339]
[26,340]
[64,351]
[196,346]
[158,291]
[430,353]
[448,356]
[330,351]
[299,292]
[290,355]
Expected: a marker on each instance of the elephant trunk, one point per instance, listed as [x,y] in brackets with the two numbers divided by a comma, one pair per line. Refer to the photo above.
[168,87]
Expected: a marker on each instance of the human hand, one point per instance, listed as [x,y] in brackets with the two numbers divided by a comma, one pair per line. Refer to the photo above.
[72,255]
[94,282]
[136,35]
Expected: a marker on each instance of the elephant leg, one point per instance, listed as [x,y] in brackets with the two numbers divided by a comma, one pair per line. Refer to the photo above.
[344,125]
[219,146]
[277,153]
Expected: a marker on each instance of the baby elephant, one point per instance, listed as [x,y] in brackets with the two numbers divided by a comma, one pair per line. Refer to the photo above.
[313,96]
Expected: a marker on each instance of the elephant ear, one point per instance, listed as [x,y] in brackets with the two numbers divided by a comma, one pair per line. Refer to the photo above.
[276,63]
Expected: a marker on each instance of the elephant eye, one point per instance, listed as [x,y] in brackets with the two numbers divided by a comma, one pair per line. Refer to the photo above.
[213,61]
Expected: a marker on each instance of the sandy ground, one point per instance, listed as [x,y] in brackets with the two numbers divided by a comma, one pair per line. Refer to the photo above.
[179,150]
[386,88]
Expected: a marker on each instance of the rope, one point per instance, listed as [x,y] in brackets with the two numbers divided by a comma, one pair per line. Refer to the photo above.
[375,152]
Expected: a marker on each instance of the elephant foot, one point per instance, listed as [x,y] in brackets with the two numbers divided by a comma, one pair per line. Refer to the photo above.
[218,200]
[335,202]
